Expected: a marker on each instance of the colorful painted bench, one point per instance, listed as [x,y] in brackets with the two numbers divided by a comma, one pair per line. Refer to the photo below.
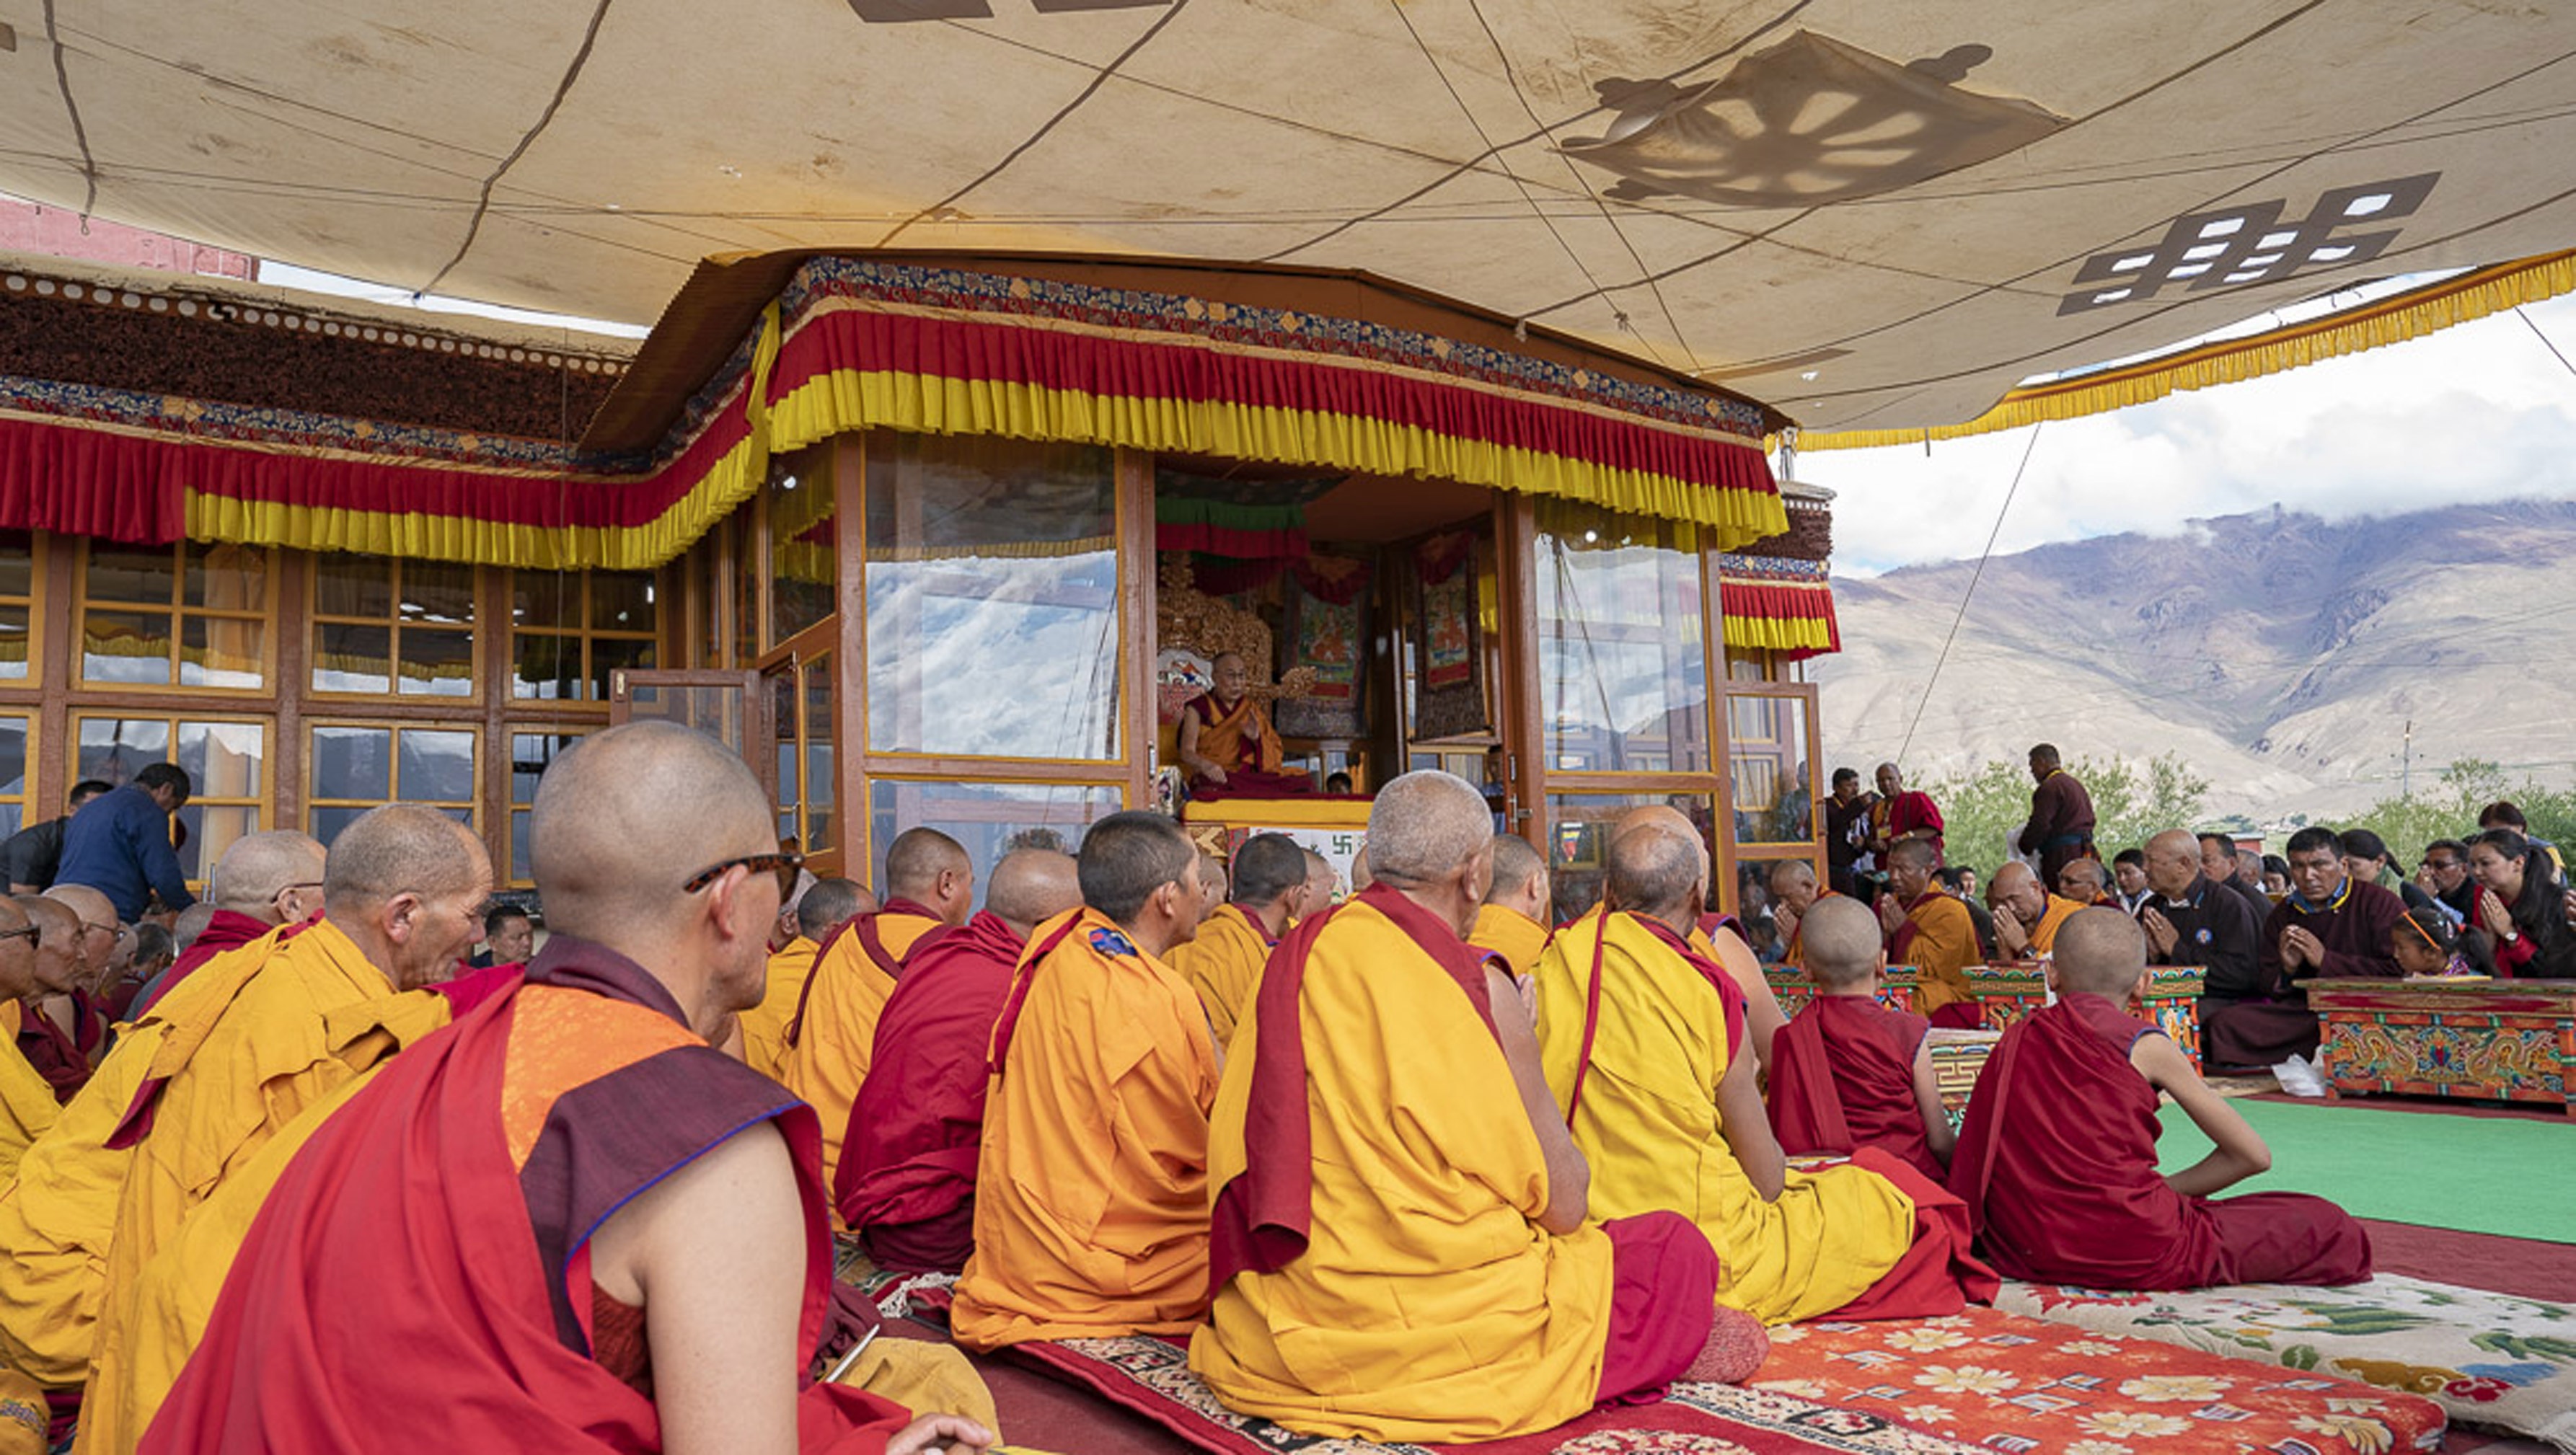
[2012,992]
[2504,1040]
[1895,988]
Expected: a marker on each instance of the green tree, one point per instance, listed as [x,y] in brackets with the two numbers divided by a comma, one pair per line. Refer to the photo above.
[1983,809]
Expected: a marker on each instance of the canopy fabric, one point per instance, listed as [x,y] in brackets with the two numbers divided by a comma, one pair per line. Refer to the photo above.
[1778,605]
[1872,216]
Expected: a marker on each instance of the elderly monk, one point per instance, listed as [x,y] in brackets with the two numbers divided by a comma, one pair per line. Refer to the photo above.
[1720,941]
[49,1017]
[907,1178]
[1644,1040]
[930,888]
[2026,915]
[2085,883]
[1794,893]
[611,1235]
[262,881]
[1323,883]
[1931,931]
[1091,1202]
[1223,964]
[1512,922]
[2058,1161]
[1402,1249]
[1848,1072]
[27,1105]
[1227,746]
[825,906]
[104,952]
[1213,888]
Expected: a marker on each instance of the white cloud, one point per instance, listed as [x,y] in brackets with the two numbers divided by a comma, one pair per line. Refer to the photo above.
[2474,413]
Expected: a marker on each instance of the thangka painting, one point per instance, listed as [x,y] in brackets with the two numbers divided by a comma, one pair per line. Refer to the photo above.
[1448,640]
[1327,631]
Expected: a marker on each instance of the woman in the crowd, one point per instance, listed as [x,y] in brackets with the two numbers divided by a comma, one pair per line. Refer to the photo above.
[2521,907]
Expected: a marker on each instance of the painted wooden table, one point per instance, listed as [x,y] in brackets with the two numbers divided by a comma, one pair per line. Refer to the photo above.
[2011,992]
[2502,1040]
[1793,990]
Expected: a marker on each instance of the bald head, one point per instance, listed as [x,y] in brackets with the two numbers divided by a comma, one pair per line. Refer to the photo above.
[2081,880]
[57,943]
[828,904]
[401,848]
[1915,853]
[1516,863]
[1840,942]
[1655,872]
[1031,886]
[1793,883]
[256,868]
[625,817]
[1657,815]
[2100,951]
[1424,826]
[92,906]
[932,870]
[1321,880]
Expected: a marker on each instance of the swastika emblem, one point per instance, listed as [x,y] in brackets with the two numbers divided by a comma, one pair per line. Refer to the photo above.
[2233,246]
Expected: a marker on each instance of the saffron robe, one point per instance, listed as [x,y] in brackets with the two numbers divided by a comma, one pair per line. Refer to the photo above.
[1842,1078]
[1939,939]
[1091,1212]
[2058,1164]
[1511,934]
[2043,935]
[764,1026]
[2273,1023]
[1224,965]
[226,931]
[1240,740]
[907,1176]
[28,1107]
[1380,1268]
[497,1150]
[1637,1030]
[834,1031]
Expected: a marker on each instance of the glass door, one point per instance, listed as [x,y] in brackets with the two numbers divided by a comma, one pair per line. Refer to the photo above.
[1771,783]
[727,706]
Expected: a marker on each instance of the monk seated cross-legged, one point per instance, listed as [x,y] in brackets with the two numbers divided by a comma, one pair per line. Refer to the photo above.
[1091,1210]
[569,1220]
[1223,964]
[2058,1159]
[1794,893]
[825,906]
[908,1171]
[1403,1247]
[1227,746]
[1718,940]
[2026,915]
[1932,931]
[1646,1052]
[1513,920]
[1847,1072]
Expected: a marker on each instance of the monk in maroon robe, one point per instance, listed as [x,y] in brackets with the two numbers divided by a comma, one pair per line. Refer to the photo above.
[2331,924]
[566,1222]
[2058,1161]
[906,1182]
[1227,746]
[2061,816]
[1847,1072]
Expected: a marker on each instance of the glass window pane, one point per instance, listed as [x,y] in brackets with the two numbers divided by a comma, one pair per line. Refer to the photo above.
[804,544]
[544,598]
[436,767]
[989,819]
[13,757]
[325,823]
[782,721]
[126,647]
[352,658]
[991,561]
[530,755]
[521,870]
[224,759]
[1623,675]
[1579,839]
[226,578]
[222,651]
[437,591]
[345,585]
[212,827]
[115,749]
[354,763]
[819,787]
[542,666]
[437,663]
[613,654]
[17,563]
[1766,763]
[621,601]
[16,632]
[139,577]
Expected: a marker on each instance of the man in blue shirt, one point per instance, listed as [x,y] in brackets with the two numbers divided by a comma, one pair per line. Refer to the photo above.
[119,844]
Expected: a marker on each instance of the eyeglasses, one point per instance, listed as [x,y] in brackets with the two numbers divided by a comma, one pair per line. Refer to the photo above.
[102,929]
[781,863]
[34,935]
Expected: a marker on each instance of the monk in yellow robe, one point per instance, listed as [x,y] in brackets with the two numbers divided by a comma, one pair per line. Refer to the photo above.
[1644,1043]
[1794,891]
[1227,746]
[402,891]
[1401,1242]
[930,885]
[58,1218]
[1720,943]
[1091,1210]
[2026,915]
[1512,922]
[1223,962]
[1931,930]
[825,906]
[27,1105]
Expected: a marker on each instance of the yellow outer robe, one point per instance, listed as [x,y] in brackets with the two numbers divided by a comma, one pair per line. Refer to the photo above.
[27,1106]
[1943,947]
[1091,1198]
[831,1055]
[1224,966]
[764,1026]
[1649,1125]
[2043,935]
[1511,934]
[1429,1304]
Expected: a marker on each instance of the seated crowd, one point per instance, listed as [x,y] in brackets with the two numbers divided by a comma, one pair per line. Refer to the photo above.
[1417,1163]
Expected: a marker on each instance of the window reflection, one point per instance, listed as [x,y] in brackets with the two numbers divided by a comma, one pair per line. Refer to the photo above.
[804,544]
[1578,842]
[989,819]
[1623,673]
[227,766]
[354,768]
[1767,766]
[570,631]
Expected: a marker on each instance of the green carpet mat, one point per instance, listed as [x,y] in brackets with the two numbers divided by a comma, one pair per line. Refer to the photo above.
[2498,1175]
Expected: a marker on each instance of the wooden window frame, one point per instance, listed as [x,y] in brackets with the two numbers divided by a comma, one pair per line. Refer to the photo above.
[264,804]
[39,547]
[82,603]
[583,633]
[474,804]
[315,619]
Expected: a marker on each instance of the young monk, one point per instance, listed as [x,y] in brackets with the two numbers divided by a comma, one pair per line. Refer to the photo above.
[2026,914]
[1645,1046]
[2058,1161]
[1847,1072]
[1223,963]
[825,906]
[1091,1210]
[1931,931]
[1402,1248]
[609,1234]
[907,1179]
[1512,922]
[930,886]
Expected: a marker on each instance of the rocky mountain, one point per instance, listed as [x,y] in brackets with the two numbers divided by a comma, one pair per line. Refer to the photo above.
[2281,654]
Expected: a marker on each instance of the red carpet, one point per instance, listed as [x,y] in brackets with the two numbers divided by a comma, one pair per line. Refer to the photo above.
[2520,1266]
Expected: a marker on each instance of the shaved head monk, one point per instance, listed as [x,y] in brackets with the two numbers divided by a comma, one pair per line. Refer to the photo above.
[2058,1159]
[1323,882]
[1224,963]
[1794,892]
[930,887]
[825,906]
[1226,744]
[1091,1200]
[1403,1248]
[1931,931]
[48,1017]
[2082,882]
[611,1236]
[1717,940]
[1512,922]
[1213,887]
[1648,1057]
[402,894]
[2026,914]
[27,1105]
[1849,1072]
[262,881]
[907,1179]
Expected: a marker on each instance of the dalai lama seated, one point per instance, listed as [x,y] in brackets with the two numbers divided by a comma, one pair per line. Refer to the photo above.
[1228,748]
